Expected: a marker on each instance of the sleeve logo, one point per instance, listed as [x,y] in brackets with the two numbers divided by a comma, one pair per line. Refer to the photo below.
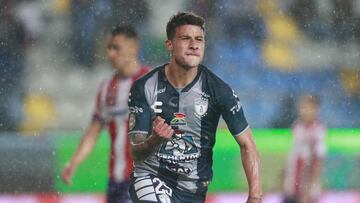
[132,121]
[236,108]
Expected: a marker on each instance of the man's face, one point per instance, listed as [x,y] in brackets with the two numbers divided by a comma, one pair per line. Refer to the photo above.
[308,110]
[121,51]
[187,46]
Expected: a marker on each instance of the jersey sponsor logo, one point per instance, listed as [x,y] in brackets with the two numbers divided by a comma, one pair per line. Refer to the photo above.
[160,91]
[135,109]
[179,119]
[173,102]
[156,107]
[179,149]
[201,106]
[132,121]
[179,169]
[180,144]
[236,108]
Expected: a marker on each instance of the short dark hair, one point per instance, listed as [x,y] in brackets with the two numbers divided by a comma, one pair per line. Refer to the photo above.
[126,30]
[183,18]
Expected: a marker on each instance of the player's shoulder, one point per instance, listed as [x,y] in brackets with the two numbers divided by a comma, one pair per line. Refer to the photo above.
[144,69]
[214,82]
[106,80]
[140,82]
[212,77]
[141,72]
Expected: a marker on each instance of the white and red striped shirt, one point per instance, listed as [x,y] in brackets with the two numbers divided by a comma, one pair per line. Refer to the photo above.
[308,143]
[112,110]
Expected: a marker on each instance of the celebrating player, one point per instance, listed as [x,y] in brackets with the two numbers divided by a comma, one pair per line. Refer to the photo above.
[174,113]
[112,111]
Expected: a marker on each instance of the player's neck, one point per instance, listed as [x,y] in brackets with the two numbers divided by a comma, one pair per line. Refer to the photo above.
[308,122]
[130,70]
[178,76]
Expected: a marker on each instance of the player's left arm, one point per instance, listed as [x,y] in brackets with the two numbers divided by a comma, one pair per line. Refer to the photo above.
[232,112]
[251,163]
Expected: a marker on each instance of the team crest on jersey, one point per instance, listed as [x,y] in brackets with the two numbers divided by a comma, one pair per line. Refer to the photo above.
[201,106]
[132,121]
[179,119]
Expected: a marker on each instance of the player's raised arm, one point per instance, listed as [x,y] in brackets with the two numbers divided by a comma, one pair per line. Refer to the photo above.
[146,130]
[251,164]
[143,146]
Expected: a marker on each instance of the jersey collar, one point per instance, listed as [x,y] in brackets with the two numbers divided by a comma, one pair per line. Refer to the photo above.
[187,87]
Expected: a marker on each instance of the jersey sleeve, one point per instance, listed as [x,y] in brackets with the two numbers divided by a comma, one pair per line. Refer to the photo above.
[140,114]
[98,114]
[232,111]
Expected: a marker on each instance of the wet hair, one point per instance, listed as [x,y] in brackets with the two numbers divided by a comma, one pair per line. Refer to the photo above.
[126,30]
[183,18]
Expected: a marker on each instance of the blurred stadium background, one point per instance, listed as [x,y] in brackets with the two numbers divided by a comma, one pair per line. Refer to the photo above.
[270,51]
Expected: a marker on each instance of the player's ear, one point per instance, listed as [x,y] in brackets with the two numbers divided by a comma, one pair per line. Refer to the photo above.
[169,45]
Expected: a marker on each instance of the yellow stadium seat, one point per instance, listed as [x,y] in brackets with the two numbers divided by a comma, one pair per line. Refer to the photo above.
[39,114]
[62,6]
[282,27]
[279,55]
[283,34]
[350,80]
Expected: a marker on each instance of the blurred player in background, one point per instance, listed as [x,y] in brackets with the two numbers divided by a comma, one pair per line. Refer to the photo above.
[303,172]
[174,113]
[112,112]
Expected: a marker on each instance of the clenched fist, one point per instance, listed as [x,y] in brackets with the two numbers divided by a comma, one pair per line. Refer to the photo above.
[162,129]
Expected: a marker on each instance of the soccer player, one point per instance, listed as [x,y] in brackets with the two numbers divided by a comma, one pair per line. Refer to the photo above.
[303,173]
[112,112]
[174,113]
